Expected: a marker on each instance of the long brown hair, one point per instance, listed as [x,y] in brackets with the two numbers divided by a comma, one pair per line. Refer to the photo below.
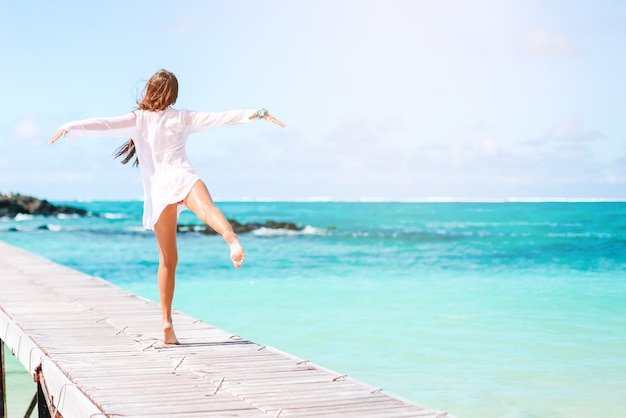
[160,92]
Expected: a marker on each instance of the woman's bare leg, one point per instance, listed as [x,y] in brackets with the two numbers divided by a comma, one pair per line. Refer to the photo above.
[165,231]
[200,202]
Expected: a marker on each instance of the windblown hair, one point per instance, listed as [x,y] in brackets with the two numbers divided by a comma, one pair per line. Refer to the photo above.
[160,92]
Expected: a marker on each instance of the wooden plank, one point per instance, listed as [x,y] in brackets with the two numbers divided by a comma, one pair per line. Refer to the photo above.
[101,343]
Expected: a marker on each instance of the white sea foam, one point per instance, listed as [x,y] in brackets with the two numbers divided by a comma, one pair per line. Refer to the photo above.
[191,228]
[308,230]
[360,234]
[54,228]
[67,216]
[23,217]
[114,215]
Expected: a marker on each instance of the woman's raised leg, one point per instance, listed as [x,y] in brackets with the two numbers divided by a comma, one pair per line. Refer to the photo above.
[200,202]
[165,231]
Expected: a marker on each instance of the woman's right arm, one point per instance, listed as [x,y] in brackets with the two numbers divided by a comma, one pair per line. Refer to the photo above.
[119,126]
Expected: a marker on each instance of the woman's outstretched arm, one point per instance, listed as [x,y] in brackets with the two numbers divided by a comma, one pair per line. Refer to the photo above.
[202,121]
[119,126]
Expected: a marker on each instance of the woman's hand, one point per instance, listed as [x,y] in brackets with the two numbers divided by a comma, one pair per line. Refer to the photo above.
[264,114]
[273,120]
[58,134]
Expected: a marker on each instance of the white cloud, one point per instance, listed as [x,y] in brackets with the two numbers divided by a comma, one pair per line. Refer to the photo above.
[489,148]
[573,153]
[392,123]
[572,129]
[361,145]
[567,134]
[540,41]
[612,178]
[26,127]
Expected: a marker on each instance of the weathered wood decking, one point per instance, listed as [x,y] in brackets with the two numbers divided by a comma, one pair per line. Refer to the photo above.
[100,353]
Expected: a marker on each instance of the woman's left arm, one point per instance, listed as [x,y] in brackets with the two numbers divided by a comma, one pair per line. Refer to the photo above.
[202,121]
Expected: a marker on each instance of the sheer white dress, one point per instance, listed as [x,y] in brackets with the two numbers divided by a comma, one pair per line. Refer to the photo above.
[160,139]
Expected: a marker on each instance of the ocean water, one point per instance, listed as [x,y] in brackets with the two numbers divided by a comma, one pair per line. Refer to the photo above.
[479,309]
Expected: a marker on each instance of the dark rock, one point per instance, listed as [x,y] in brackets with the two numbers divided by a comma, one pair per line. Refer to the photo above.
[283,225]
[12,204]
[238,227]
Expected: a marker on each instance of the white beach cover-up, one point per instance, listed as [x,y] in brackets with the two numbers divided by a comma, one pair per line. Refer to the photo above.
[160,139]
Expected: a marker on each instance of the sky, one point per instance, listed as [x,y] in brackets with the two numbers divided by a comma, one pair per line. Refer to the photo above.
[387,99]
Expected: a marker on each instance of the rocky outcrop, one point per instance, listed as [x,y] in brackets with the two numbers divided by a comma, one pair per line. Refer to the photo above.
[13,204]
[240,228]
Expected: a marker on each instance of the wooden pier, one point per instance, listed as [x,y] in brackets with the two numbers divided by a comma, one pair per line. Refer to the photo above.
[96,351]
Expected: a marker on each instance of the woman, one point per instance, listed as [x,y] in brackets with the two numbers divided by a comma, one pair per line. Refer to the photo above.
[158,135]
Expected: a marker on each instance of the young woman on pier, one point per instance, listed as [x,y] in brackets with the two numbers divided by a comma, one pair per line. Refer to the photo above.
[158,135]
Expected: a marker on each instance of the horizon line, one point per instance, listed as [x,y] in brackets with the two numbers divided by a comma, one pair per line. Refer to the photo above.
[432,199]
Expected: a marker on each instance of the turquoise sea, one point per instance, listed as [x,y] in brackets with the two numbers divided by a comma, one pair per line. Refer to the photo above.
[481,309]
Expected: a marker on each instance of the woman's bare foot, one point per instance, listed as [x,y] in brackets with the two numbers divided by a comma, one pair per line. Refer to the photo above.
[169,337]
[237,255]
